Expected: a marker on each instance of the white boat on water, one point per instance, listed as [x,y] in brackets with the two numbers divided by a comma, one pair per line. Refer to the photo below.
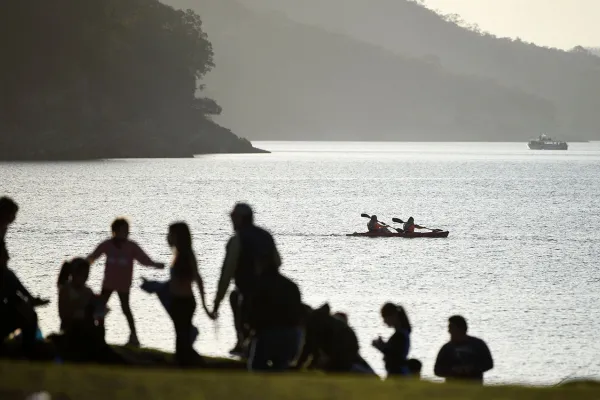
[545,142]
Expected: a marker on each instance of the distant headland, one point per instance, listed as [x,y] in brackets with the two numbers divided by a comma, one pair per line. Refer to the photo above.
[106,80]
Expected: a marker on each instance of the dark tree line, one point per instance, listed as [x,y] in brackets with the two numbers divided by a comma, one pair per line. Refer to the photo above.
[102,78]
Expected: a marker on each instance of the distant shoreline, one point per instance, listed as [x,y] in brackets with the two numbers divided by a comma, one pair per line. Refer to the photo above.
[405,141]
[68,159]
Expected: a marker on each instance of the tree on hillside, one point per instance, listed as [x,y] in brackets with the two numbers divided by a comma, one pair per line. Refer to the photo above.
[75,72]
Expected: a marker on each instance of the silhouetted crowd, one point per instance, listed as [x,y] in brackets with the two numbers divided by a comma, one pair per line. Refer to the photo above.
[275,330]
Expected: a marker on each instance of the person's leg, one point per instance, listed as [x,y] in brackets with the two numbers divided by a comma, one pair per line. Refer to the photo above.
[274,350]
[8,324]
[284,348]
[23,317]
[258,359]
[124,298]
[244,326]
[28,335]
[234,302]
[279,351]
[182,311]
[103,301]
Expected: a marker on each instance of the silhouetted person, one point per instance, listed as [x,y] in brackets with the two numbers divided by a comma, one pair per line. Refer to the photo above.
[184,275]
[330,344]
[395,350]
[8,214]
[16,307]
[120,255]
[81,313]
[275,313]
[375,226]
[250,248]
[409,226]
[464,357]
[360,365]
[162,290]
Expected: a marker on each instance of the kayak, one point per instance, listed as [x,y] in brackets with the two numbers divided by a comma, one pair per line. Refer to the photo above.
[435,234]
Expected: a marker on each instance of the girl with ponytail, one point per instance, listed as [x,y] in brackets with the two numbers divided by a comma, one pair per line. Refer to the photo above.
[77,304]
[395,350]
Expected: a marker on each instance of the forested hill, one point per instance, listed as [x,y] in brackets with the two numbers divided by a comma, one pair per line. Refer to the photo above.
[569,80]
[85,79]
[279,79]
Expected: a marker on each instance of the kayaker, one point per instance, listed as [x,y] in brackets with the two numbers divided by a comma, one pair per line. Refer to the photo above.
[395,350]
[375,226]
[250,251]
[118,273]
[409,226]
[464,357]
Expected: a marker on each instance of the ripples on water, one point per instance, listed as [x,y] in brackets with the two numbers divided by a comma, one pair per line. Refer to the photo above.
[521,262]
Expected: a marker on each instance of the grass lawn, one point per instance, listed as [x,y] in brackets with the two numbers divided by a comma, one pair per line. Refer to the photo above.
[94,382]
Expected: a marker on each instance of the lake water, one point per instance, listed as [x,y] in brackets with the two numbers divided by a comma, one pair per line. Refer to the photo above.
[521,261]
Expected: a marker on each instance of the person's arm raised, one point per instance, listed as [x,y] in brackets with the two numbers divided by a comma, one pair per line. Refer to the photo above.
[97,253]
[143,258]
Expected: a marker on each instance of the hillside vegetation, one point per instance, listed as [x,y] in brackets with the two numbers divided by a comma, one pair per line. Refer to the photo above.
[85,79]
[279,79]
[569,80]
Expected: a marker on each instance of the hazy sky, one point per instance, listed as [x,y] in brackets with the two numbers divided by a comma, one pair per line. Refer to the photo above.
[554,23]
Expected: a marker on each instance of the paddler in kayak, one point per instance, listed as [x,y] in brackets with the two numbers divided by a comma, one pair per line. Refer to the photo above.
[375,226]
[409,226]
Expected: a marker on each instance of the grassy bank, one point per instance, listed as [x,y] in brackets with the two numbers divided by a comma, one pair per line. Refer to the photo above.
[93,382]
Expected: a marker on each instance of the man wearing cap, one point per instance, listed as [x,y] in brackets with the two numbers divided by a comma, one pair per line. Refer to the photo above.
[250,252]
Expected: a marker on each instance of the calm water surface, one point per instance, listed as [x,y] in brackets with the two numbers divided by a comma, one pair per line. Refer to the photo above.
[521,261]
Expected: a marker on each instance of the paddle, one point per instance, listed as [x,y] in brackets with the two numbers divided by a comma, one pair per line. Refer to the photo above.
[399,221]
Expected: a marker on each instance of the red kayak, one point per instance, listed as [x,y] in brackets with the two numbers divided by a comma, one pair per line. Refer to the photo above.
[433,234]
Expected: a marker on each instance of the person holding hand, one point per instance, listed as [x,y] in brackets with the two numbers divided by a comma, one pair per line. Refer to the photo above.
[120,254]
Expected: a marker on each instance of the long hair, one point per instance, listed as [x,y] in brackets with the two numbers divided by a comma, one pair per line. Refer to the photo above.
[70,267]
[398,310]
[185,260]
